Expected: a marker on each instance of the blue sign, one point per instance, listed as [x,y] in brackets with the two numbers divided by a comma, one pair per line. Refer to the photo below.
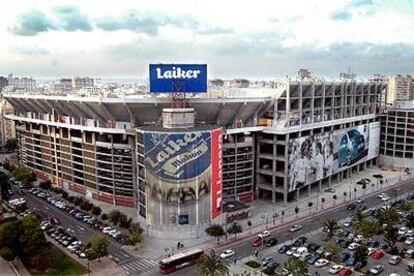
[168,78]
[178,156]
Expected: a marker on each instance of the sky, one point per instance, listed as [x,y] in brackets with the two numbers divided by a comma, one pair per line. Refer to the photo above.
[258,39]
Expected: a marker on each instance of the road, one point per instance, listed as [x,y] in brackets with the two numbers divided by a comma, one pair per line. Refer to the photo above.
[244,248]
[131,264]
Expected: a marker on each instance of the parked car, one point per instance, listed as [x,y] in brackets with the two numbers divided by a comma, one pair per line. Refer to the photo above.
[394,260]
[377,269]
[378,254]
[295,227]
[271,242]
[257,242]
[283,249]
[335,269]
[321,263]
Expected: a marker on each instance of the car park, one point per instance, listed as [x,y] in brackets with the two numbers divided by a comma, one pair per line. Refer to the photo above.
[227,253]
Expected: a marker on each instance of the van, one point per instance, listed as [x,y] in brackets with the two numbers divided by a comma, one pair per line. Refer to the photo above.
[410,267]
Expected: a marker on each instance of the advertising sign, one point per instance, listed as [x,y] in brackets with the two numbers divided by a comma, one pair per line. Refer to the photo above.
[216,172]
[178,176]
[314,157]
[168,78]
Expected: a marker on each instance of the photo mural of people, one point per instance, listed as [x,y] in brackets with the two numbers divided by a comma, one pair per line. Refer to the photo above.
[314,157]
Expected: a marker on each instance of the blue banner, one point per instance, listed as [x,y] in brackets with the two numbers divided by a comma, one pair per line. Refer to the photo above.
[169,78]
[178,156]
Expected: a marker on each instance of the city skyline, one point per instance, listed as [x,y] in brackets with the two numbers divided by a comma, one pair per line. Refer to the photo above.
[263,39]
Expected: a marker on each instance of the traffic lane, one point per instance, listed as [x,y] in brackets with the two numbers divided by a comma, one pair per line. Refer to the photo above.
[80,230]
[283,234]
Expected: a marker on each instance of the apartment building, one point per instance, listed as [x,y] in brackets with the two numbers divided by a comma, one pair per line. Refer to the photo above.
[400,88]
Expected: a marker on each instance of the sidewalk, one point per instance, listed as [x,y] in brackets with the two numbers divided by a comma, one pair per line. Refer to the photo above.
[262,213]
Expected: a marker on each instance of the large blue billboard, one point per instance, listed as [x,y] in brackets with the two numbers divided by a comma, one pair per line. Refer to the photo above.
[178,156]
[168,78]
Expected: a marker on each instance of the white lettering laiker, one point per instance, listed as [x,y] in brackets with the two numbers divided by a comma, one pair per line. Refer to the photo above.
[177,73]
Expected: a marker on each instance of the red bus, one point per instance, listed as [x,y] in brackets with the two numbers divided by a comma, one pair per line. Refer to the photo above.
[180,260]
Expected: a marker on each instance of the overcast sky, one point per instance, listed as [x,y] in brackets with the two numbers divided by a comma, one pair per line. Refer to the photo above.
[253,39]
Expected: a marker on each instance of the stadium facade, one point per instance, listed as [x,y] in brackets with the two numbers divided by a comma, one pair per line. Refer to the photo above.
[276,145]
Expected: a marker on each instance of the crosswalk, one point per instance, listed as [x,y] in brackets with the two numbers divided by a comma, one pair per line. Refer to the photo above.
[137,266]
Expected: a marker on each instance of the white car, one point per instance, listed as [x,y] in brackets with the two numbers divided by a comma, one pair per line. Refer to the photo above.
[321,263]
[353,246]
[291,251]
[358,238]
[295,227]
[264,234]
[377,269]
[359,200]
[402,230]
[381,195]
[227,253]
[335,269]
[409,233]
[106,230]
[394,274]
[409,240]
[300,251]
[385,198]
[371,250]
[347,223]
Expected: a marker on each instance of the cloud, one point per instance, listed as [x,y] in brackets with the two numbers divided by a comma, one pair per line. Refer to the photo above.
[71,19]
[360,3]
[31,23]
[341,15]
[214,30]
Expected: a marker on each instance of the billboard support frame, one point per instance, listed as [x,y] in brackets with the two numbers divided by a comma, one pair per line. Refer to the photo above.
[178,94]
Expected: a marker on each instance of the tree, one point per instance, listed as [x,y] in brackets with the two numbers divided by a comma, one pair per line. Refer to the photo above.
[212,265]
[331,226]
[11,144]
[323,201]
[124,221]
[235,228]
[45,185]
[77,201]
[114,216]
[296,267]
[104,216]
[367,228]
[333,247]
[335,197]
[97,247]
[7,253]
[86,206]
[9,240]
[296,210]
[31,236]
[358,216]
[22,174]
[410,220]
[216,231]
[134,234]
[390,236]
[65,195]
[390,217]
[345,194]
[96,210]
[361,253]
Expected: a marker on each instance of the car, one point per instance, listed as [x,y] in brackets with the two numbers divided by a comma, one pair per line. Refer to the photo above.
[306,256]
[361,207]
[55,220]
[394,260]
[271,242]
[402,230]
[351,261]
[378,254]
[377,269]
[291,251]
[286,272]
[271,265]
[371,250]
[346,271]
[344,256]
[295,227]
[394,274]
[283,249]
[358,238]
[300,251]
[329,190]
[351,207]
[321,263]
[313,259]
[359,200]
[335,269]
[385,198]
[300,241]
[409,240]
[267,259]
[257,242]
[264,234]
[409,233]
[353,246]
[383,245]
[227,253]
[381,195]
[313,247]
[347,223]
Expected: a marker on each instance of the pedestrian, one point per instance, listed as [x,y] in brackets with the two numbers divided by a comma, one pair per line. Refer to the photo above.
[235,261]
[256,253]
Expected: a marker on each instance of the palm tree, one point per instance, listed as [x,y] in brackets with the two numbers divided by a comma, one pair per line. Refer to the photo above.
[331,226]
[358,216]
[390,217]
[390,236]
[296,267]
[212,265]
[235,229]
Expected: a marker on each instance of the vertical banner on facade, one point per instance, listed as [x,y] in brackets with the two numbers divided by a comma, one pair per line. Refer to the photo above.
[216,172]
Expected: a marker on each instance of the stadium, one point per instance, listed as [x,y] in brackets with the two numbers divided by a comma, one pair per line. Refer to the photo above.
[177,166]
